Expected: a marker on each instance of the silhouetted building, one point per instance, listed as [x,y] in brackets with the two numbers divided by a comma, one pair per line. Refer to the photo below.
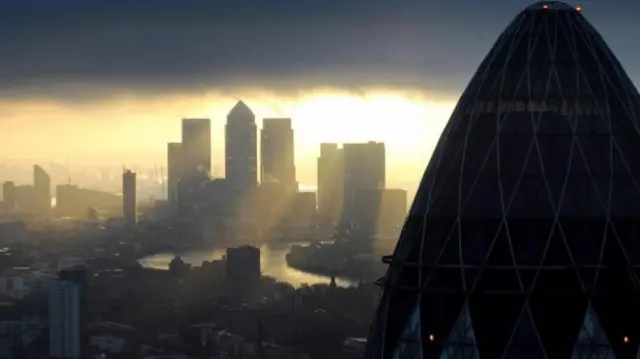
[42,187]
[380,210]
[243,264]
[241,151]
[273,202]
[129,201]
[74,201]
[330,183]
[9,195]
[523,237]
[174,168]
[78,274]
[196,149]
[64,320]
[303,211]
[277,152]
[26,199]
[364,169]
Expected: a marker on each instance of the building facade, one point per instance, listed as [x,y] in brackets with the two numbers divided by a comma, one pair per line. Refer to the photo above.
[74,201]
[196,149]
[241,148]
[9,195]
[364,169]
[277,158]
[303,210]
[42,188]
[129,200]
[522,239]
[380,211]
[330,183]
[243,264]
[64,320]
[174,168]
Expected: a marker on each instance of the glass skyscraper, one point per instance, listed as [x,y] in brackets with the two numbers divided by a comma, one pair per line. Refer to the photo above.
[241,148]
[522,241]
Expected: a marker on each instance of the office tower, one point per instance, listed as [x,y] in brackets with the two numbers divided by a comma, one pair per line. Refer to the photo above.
[196,149]
[78,275]
[129,204]
[380,210]
[364,169]
[303,209]
[241,151]
[42,188]
[9,195]
[522,241]
[393,209]
[277,152]
[73,201]
[64,320]
[27,200]
[174,166]
[330,183]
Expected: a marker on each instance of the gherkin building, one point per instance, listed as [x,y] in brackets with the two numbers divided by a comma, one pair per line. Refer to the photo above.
[522,241]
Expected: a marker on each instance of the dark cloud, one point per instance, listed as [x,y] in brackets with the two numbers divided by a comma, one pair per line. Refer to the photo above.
[75,47]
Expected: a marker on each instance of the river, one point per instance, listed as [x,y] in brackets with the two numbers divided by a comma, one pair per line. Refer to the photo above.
[272,262]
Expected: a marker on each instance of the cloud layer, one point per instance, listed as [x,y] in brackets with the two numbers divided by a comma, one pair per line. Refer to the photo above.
[68,46]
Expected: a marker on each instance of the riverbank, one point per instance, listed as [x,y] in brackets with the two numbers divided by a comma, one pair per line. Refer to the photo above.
[272,261]
[355,271]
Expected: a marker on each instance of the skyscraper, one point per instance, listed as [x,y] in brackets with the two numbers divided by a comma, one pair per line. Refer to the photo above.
[42,188]
[330,183]
[64,320]
[380,210]
[277,152]
[174,167]
[129,204]
[241,148]
[522,239]
[78,275]
[196,149]
[9,195]
[364,169]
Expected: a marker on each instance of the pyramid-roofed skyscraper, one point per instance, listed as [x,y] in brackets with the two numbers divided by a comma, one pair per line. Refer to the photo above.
[522,241]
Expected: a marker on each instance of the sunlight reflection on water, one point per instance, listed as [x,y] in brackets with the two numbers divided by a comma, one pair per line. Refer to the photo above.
[272,260]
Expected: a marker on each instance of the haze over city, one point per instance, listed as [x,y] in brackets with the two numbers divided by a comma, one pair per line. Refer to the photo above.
[114,93]
[319,179]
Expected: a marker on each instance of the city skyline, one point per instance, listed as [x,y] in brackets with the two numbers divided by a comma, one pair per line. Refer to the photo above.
[405,89]
[320,179]
[216,165]
[407,157]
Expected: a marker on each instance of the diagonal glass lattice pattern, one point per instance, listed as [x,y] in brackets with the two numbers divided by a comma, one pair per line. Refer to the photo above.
[525,227]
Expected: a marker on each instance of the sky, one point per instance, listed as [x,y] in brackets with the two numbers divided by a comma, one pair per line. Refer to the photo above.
[108,81]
